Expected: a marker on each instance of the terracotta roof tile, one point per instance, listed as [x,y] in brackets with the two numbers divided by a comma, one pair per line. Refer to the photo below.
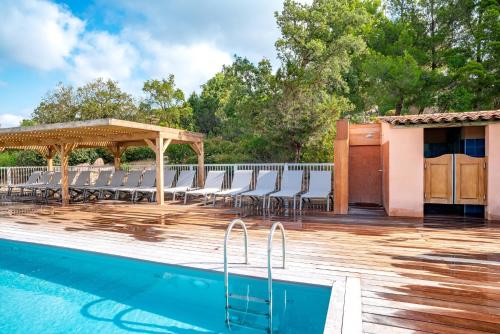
[444,118]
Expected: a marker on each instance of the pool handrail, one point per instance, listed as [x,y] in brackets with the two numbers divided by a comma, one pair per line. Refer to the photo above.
[226,272]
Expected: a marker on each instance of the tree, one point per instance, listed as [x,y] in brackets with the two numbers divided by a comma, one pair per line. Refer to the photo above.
[97,99]
[391,82]
[59,105]
[104,99]
[316,49]
[165,104]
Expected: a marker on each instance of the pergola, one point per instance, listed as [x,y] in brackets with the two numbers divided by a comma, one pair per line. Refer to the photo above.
[115,135]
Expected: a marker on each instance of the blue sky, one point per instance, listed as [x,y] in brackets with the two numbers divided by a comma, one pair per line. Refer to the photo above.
[44,42]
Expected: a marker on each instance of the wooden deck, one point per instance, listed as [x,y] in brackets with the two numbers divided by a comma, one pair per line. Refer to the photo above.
[397,275]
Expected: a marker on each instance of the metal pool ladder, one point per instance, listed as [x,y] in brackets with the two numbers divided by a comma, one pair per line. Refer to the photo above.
[248,298]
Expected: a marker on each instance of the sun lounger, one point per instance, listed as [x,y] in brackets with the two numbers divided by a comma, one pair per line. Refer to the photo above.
[95,189]
[133,180]
[32,179]
[266,184]
[168,180]
[241,183]
[213,184]
[43,181]
[148,181]
[52,183]
[320,187]
[117,180]
[291,187]
[82,180]
[184,183]
[55,188]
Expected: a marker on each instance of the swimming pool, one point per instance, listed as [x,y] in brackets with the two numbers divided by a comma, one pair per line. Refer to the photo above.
[47,289]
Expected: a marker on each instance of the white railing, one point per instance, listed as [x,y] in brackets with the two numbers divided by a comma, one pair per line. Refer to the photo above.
[14,175]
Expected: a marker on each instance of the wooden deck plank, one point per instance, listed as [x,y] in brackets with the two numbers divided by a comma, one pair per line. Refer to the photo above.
[414,276]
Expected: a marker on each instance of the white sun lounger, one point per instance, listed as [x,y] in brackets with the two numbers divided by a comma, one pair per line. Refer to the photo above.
[213,184]
[132,182]
[51,184]
[82,180]
[320,186]
[266,184]
[117,180]
[184,183]
[241,183]
[43,181]
[101,181]
[55,188]
[32,179]
[168,180]
[148,180]
[291,187]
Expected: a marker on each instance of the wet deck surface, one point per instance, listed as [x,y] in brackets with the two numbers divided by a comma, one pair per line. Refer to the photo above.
[437,275]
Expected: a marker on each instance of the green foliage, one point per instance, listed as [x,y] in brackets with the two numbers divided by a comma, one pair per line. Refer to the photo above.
[165,105]
[337,58]
[137,153]
[8,158]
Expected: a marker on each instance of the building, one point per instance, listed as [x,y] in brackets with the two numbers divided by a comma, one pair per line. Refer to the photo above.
[414,165]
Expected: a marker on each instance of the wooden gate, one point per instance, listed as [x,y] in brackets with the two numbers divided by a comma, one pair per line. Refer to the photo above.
[438,187]
[455,179]
[470,180]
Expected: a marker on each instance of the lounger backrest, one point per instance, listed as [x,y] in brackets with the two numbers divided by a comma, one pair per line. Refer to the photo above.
[33,177]
[133,179]
[83,178]
[103,178]
[72,177]
[117,178]
[242,179]
[266,180]
[186,178]
[168,177]
[56,179]
[292,180]
[320,181]
[148,179]
[214,179]
[45,178]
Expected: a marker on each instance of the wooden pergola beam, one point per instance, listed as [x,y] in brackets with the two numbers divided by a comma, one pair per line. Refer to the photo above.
[116,135]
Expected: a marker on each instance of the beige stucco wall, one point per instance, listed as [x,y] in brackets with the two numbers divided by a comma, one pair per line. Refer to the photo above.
[403,171]
[493,183]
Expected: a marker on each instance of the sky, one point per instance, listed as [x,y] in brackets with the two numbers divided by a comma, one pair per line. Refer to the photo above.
[44,42]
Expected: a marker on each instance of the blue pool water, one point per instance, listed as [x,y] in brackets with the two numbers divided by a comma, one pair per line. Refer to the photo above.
[54,290]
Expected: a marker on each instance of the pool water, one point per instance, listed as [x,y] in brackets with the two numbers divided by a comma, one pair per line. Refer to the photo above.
[56,290]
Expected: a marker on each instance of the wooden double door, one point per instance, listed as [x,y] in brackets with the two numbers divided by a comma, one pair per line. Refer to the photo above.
[455,179]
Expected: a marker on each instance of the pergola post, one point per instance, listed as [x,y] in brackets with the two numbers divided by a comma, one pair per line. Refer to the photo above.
[159,150]
[51,152]
[64,151]
[201,165]
[117,152]
[199,150]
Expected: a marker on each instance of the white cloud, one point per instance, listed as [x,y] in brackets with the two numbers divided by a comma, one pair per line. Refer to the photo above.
[37,33]
[10,120]
[102,55]
[192,64]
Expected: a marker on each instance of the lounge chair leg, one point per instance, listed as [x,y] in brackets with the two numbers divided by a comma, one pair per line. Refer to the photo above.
[185,197]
